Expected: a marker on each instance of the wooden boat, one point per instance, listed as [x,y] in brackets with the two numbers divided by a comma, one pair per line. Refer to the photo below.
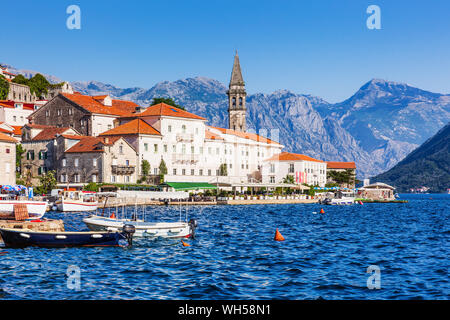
[75,201]
[168,230]
[20,238]
[36,209]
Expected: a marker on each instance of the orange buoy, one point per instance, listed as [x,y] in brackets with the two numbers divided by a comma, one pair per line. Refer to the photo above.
[360,202]
[322,211]
[185,244]
[278,236]
[113,216]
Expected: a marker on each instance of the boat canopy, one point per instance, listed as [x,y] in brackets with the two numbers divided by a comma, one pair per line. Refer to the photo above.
[188,185]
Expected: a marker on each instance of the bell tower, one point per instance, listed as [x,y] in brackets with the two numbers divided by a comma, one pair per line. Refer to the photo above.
[236,98]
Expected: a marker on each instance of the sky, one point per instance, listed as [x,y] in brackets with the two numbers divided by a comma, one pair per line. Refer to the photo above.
[317,47]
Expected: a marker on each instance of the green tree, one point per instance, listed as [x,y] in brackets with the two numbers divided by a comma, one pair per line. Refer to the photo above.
[20,79]
[162,170]
[91,186]
[168,101]
[19,153]
[4,88]
[223,170]
[47,182]
[38,85]
[289,179]
[145,165]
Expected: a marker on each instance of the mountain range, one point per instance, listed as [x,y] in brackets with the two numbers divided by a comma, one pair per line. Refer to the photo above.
[376,127]
[427,165]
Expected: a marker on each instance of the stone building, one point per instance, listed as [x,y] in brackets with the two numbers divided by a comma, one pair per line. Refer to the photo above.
[341,167]
[96,159]
[39,143]
[89,115]
[20,93]
[56,89]
[236,99]
[7,160]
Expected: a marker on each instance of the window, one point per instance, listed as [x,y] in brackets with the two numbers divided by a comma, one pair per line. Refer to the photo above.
[109,126]
[155,171]
[70,111]
[174,172]
[291,168]
[183,172]
[209,150]
[47,113]
[272,179]
[200,172]
[64,162]
[58,112]
[76,177]
[94,178]
[94,163]
[63,178]
[7,150]
[121,149]
[169,128]
[127,162]
[155,147]
[192,149]
[240,102]
[113,178]
[217,172]
[165,148]
[234,101]
[192,172]
[174,148]
[146,146]
[183,128]
[14,118]
[209,172]
[272,168]
[127,178]
[75,163]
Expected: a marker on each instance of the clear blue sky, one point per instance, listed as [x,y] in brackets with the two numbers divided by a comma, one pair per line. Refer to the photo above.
[315,47]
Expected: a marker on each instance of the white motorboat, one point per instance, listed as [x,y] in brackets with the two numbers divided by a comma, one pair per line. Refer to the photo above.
[341,198]
[168,230]
[36,209]
[75,200]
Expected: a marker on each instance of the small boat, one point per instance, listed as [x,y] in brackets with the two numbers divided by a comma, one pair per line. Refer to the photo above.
[168,230]
[19,238]
[340,198]
[36,209]
[76,200]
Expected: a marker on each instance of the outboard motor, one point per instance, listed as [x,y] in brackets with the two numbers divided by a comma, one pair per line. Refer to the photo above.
[128,231]
[192,226]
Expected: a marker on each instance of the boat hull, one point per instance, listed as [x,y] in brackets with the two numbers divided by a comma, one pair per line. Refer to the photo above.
[15,238]
[36,209]
[68,206]
[167,230]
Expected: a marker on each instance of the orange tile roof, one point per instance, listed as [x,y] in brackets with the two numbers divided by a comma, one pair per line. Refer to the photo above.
[340,165]
[287,156]
[162,109]
[17,130]
[72,136]
[246,135]
[49,133]
[87,144]
[136,126]
[6,138]
[5,130]
[119,107]
[92,144]
[212,136]
[37,126]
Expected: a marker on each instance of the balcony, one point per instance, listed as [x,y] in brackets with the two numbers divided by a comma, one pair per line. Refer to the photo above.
[185,137]
[122,170]
[185,158]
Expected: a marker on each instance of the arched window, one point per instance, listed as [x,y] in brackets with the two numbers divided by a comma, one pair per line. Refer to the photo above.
[234,102]
[240,102]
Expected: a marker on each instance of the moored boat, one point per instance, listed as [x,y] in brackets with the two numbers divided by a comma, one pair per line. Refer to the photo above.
[20,238]
[168,230]
[36,209]
[75,200]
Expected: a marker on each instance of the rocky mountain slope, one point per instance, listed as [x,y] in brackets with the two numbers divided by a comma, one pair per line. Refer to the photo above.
[376,127]
[428,165]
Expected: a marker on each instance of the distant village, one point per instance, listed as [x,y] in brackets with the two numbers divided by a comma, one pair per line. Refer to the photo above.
[83,140]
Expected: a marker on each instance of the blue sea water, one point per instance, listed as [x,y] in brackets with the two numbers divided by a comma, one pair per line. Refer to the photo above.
[234,256]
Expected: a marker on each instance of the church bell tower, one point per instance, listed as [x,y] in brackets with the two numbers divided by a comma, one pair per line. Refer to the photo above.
[236,98]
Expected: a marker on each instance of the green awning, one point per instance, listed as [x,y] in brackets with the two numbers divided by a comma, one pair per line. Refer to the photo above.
[189,185]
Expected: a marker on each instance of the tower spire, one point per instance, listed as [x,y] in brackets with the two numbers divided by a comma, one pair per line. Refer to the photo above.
[236,98]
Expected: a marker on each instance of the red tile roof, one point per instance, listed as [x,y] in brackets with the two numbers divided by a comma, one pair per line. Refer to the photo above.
[287,156]
[340,165]
[246,135]
[162,109]
[37,126]
[119,107]
[92,144]
[212,136]
[136,126]
[11,104]
[49,133]
[6,138]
